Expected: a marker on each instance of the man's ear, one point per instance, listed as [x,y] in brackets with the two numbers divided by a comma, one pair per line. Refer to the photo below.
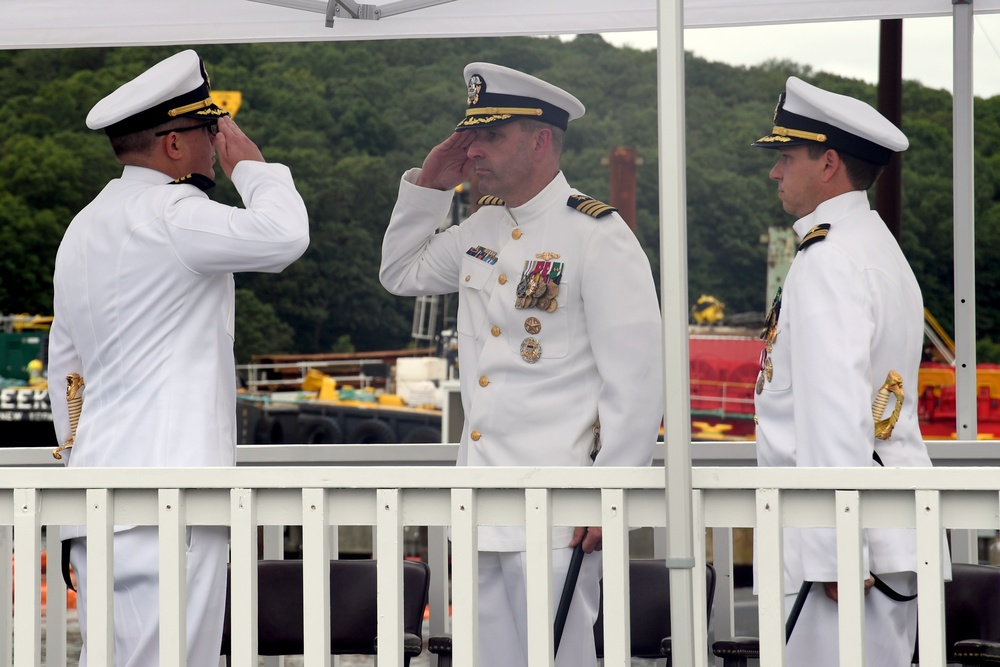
[170,146]
[542,140]
[832,165]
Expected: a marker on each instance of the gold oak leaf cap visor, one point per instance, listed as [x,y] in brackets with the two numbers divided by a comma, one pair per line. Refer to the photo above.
[807,114]
[500,94]
[177,87]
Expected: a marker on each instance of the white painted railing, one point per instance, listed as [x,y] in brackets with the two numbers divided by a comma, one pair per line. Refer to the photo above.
[318,497]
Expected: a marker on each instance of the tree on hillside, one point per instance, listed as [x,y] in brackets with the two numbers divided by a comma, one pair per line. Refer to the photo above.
[349,117]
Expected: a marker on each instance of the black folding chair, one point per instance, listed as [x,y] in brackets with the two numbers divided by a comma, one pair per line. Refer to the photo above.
[649,613]
[971,617]
[353,613]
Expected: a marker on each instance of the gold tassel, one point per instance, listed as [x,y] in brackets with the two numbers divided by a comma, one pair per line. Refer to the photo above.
[74,403]
[894,385]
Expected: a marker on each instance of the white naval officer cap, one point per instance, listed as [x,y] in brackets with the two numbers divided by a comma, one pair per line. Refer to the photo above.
[499,94]
[807,114]
[177,87]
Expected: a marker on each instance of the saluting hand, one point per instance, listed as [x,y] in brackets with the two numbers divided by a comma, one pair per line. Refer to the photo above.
[448,164]
[233,146]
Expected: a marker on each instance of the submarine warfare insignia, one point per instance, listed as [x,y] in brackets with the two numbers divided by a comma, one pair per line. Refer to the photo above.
[539,285]
[590,206]
[531,350]
[547,256]
[768,335]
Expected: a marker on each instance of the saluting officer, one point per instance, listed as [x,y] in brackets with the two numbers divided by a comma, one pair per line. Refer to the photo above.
[558,324]
[144,312]
[849,314]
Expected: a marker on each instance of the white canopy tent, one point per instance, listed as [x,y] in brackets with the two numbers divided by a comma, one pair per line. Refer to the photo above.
[70,23]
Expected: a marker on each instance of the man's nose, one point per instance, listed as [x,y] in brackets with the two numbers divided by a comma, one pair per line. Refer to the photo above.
[775,173]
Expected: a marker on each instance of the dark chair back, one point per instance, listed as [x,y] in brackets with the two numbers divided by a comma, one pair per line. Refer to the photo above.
[353,613]
[649,607]
[971,620]
[971,609]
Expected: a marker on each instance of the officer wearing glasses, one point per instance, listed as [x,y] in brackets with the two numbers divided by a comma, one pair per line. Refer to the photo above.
[144,312]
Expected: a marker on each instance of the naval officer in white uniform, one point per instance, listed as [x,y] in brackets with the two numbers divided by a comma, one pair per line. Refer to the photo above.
[849,312]
[144,312]
[558,322]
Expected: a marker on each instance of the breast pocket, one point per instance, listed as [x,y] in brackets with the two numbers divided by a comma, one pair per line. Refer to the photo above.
[473,296]
[550,329]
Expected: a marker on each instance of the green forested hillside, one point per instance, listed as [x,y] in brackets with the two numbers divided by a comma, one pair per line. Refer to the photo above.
[350,117]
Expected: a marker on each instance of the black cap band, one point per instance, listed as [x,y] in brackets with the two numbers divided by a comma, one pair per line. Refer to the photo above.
[200,99]
[494,108]
[832,136]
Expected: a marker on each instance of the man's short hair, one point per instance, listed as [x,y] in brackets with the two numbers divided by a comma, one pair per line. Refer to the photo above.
[134,143]
[558,134]
[861,173]
[141,143]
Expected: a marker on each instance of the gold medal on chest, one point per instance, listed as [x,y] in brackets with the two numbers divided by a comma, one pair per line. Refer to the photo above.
[531,350]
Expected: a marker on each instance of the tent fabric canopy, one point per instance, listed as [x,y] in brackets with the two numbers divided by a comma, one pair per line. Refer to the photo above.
[71,23]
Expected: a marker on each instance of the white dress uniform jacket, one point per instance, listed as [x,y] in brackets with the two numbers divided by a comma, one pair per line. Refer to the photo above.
[601,352]
[851,311]
[144,311]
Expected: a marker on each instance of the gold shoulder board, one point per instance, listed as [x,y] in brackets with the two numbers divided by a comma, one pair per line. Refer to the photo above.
[490,200]
[815,235]
[590,206]
[199,181]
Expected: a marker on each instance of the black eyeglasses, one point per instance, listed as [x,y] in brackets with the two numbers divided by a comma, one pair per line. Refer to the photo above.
[212,127]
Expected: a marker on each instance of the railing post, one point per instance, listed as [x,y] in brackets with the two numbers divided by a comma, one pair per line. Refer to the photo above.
[538,536]
[55,606]
[27,578]
[465,577]
[316,577]
[930,582]
[850,582]
[173,577]
[243,576]
[700,618]
[7,599]
[100,577]
[771,577]
[390,576]
[614,524]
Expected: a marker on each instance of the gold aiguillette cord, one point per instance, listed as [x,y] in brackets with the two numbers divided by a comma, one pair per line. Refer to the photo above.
[893,385]
[74,403]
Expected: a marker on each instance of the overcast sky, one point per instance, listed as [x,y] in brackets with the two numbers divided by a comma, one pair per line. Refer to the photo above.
[847,48]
